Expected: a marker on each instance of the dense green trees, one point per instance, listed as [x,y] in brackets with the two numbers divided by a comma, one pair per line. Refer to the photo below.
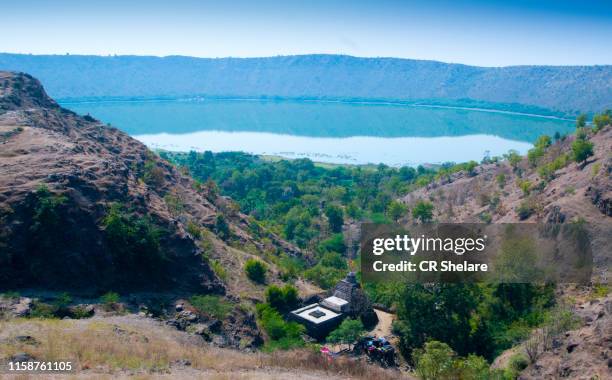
[471,318]
[299,199]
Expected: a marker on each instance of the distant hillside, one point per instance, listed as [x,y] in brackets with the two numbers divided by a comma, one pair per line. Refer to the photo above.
[566,89]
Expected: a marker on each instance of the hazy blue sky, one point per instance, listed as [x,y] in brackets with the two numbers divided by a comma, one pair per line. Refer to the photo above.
[487,33]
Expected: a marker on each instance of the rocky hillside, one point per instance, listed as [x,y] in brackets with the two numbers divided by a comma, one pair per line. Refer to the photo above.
[567,89]
[547,187]
[550,188]
[84,207]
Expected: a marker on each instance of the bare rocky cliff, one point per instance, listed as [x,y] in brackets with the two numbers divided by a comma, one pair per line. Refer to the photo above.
[84,206]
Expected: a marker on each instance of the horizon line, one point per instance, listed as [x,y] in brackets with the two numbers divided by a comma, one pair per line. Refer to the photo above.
[67,54]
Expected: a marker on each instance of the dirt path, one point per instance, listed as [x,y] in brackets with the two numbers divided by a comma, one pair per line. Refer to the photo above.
[384,326]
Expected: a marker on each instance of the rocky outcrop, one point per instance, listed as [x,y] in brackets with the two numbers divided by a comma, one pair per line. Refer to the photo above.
[60,176]
[237,330]
[585,353]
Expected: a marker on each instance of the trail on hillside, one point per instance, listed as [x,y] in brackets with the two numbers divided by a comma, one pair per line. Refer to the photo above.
[384,326]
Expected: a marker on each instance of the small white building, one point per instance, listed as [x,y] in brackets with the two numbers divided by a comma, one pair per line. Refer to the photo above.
[318,319]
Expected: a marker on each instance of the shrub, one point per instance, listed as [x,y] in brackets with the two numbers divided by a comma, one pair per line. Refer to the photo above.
[473,368]
[333,260]
[525,210]
[222,228]
[194,230]
[595,169]
[43,310]
[423,211]
[219,270]
[133,240]
[282,299]
[434,361]
[501,180]
[582,150]
[396,210]
[538,151]
[212,305]
[486,217]
[334,243]
[110,300]
[283,335]
[153,175]
[80,312]
[175,204]
[347,333]
[291,267]
[325,277]
[518,362]
[62,302]
[255,270]
[600,121]
[525,186]
[514,159]
[335,218]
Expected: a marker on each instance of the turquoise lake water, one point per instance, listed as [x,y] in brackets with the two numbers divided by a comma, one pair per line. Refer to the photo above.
[335,132]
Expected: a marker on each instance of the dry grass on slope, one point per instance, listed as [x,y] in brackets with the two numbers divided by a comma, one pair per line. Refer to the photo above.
[130,345]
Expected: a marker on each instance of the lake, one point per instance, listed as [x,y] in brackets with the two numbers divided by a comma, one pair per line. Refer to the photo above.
[334,132]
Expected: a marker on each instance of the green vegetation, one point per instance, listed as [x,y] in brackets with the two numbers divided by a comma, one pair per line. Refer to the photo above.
[45,233]
[547,171]
[218,268]
[222,228]
[174,203]
[514,159]
[282,299]
[438,361]
[255,270]
[282,335]
[581,121]
[525,186]
[214,306]
[423,211]
[331,266]
[538,151]
[396,210]
[334,217]
[501,180]
[110,300]
[482,319]
[446,330]
[133,241]
[302,201]
[601,120]
[525,209]
[11,295]
[152,173]
[582,150]
[349,331]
